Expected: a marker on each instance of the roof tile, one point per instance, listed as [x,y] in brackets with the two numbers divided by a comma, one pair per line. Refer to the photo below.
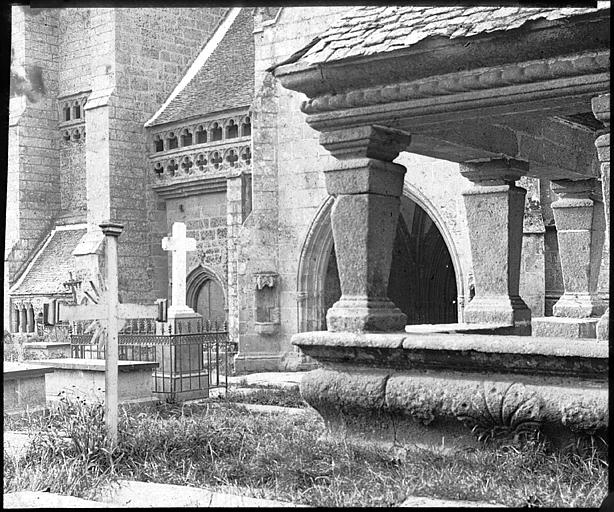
[51,266]
[387,28]
[226,79]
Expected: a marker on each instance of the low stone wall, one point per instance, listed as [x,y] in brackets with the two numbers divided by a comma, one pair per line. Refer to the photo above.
[84,378]
[46,350]
[24,386]
[451,389]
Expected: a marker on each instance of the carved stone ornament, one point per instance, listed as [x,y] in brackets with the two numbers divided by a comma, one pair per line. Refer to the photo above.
[265,279]
[471,80]
[502,410]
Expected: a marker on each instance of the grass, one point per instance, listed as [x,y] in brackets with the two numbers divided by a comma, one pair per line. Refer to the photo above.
[224,447]
[282,397]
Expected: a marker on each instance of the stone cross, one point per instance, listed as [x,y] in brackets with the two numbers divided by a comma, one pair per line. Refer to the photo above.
[179,244]
[110,313]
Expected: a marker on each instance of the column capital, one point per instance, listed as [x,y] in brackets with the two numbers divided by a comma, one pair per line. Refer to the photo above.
[496,171]
[373,141]
[576,189]
[601,108]
[111,228]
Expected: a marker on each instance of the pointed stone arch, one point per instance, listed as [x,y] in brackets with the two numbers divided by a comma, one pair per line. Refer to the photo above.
[316,252]
[200,279]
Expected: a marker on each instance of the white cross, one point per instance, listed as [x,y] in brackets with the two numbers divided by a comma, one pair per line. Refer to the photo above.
[179,244]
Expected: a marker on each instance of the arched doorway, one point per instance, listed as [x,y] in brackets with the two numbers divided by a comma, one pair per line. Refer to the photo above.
[422,280]
[205,295]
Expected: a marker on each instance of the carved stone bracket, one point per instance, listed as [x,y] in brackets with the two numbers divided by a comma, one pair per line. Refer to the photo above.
[265,279]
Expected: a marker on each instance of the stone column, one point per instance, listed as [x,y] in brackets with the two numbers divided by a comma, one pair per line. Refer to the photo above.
[367,187]
[580,230]
[30,316]
[15,326]
[22,320]
[601,110]
[495,210]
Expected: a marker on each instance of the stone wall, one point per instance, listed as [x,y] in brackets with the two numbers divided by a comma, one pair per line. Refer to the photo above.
[153,48]
[73,185]
[287,185]
[33,179]
[205,219]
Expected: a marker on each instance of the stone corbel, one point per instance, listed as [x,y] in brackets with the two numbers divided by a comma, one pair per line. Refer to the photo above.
[367,187]
[267,314]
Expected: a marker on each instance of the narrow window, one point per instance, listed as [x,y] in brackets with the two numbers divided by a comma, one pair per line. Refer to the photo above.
[172,141]
[232,130]
[216,132]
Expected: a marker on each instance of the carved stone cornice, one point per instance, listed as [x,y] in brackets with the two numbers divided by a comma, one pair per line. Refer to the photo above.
[192,186]
[523,73]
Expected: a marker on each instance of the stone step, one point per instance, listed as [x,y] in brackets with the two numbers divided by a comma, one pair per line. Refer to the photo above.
[555,327]
[130,493]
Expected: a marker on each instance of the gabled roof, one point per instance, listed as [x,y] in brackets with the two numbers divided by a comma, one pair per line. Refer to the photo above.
[221,77]
[50,267]
[369,30]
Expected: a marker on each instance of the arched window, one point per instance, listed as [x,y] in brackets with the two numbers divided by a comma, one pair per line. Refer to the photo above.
[246,127]
[66,110]
[216,132]
[232,130]
[172,141]
[201,135]
[158,144]
[76,111]
[186,138]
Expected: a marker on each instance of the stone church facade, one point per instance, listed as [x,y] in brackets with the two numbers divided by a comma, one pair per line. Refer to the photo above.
[152,116]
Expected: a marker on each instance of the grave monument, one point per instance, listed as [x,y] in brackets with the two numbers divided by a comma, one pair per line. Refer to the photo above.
[182,365]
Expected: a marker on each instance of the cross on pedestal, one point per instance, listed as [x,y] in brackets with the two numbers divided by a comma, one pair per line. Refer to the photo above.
[111,315]
[179,245]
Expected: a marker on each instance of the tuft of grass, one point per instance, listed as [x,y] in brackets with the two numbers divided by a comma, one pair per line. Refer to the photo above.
[224,447]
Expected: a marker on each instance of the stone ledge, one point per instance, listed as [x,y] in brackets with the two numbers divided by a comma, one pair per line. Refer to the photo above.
[418,406]
[14,371]
[95,365]
[478,353]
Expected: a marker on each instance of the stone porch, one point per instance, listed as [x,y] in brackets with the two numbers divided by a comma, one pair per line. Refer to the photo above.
[504,100]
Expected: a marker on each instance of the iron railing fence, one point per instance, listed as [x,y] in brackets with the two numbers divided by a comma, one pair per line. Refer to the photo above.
[186,362]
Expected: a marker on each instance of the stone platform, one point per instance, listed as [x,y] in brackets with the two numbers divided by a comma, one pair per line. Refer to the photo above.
[24,386]
[397,388]
[85,378]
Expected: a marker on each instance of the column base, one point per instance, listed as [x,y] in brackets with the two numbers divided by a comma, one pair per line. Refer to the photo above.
[554,327]
[579,305]
[362,314]
[500,310]
[603,326]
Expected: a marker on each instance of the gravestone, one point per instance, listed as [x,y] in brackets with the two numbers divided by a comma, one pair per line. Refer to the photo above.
[182,366]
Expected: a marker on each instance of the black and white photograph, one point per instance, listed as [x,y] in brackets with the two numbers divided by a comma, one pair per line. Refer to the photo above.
[306,255]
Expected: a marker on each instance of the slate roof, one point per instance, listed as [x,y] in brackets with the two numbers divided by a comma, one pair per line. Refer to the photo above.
[369,30]
[226,79]
[51,266]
